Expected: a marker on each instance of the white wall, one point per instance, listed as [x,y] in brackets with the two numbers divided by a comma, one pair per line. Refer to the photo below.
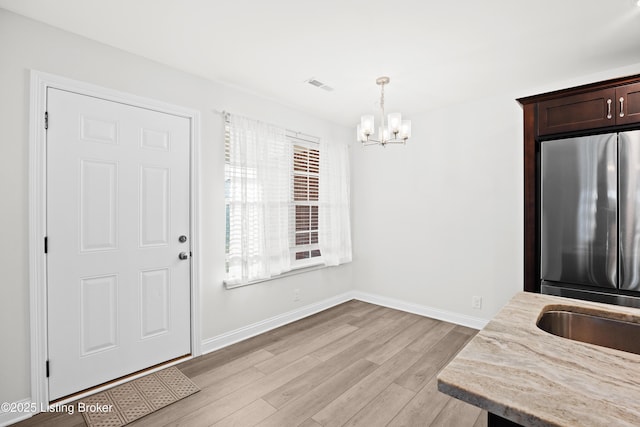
[25,45]
[440,220]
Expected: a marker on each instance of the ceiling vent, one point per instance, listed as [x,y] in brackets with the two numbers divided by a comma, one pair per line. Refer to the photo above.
[319,84]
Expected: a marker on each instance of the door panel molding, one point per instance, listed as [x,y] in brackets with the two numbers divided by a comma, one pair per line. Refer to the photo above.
[39,83]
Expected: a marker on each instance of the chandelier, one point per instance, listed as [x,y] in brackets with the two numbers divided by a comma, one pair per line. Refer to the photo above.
[393,131]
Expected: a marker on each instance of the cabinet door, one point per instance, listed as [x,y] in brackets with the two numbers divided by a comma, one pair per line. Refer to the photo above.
[584,111]
[628,104]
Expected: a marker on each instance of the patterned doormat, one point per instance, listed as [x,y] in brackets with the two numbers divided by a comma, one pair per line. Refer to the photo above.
[128,402]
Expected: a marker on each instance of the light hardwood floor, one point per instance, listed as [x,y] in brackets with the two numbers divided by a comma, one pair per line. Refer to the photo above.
[356,364]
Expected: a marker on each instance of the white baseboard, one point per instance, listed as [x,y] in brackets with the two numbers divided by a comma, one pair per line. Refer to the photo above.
[8,418]
[422,310]
[241,334]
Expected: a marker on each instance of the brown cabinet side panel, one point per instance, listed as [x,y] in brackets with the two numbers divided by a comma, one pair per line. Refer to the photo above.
[631,109]
[531,277]
[584,111]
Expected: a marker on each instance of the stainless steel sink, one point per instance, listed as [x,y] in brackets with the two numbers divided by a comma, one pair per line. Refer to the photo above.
[592,329]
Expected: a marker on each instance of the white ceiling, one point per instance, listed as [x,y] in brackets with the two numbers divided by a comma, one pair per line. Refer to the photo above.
[437,53]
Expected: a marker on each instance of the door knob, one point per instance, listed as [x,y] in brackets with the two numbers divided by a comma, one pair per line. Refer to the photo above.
[183,255]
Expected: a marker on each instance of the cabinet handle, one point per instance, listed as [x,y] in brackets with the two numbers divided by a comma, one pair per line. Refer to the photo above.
[621,106]
[609,108]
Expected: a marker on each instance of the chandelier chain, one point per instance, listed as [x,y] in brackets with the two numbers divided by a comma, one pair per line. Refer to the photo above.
[382,105]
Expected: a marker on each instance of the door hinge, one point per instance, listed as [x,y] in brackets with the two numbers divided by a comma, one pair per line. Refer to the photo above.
[46,120]
[47,368]
[46,245]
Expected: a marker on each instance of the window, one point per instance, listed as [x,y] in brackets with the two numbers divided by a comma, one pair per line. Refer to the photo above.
[306,192]
[280,214]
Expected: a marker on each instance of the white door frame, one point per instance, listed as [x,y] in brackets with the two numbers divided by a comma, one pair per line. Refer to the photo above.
[40,82]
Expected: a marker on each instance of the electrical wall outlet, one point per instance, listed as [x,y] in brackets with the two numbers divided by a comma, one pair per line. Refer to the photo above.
[476,302]
[296,295]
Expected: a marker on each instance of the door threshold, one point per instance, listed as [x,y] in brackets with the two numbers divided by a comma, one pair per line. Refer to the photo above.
[110,384]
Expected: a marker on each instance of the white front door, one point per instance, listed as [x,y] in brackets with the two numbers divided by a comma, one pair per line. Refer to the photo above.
[117,220]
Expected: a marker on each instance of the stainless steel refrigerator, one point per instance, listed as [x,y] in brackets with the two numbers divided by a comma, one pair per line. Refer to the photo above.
[590,217]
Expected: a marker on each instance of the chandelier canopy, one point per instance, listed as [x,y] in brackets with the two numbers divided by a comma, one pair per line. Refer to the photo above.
[393,131]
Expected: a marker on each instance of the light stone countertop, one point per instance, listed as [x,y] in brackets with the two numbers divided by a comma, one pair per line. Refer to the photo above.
[522,373]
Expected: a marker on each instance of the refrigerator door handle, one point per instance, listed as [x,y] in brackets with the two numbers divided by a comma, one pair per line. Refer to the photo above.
[613,197]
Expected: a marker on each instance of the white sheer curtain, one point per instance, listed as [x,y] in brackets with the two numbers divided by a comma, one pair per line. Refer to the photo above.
[334,228]
[259,200]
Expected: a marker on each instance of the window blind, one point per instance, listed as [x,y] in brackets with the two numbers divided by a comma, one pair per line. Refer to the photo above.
[306,193]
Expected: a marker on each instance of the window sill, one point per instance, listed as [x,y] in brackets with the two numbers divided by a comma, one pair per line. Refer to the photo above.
[319,265]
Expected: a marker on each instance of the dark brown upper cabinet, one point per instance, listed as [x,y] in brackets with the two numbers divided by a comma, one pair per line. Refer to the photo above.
[590,110]
[628,104]
[584,111]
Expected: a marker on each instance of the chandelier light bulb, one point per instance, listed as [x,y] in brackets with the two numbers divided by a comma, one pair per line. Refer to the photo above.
[405,131]
[383,133]
[395,121]
[367,123]
[361,136]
